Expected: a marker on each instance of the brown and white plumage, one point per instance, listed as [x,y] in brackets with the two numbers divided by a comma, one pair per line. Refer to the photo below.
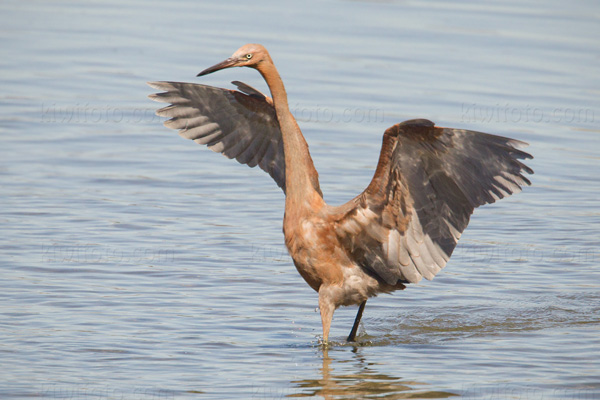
[429,180]
[404,226]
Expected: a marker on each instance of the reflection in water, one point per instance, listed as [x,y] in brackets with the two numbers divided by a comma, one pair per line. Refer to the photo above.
[361,382]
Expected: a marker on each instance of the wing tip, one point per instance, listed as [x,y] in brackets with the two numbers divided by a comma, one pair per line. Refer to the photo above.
[159,85]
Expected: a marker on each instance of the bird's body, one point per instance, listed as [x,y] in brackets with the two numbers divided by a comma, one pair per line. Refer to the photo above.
[401,228]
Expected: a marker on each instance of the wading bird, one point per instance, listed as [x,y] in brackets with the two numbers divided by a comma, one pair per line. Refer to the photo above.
[401,228]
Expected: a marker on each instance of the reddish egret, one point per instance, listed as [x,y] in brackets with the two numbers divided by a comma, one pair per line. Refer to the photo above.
[401,228]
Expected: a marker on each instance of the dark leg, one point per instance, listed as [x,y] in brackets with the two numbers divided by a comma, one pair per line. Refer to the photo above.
[352,334]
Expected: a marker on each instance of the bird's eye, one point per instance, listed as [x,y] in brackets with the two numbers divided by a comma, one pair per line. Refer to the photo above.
[248,56]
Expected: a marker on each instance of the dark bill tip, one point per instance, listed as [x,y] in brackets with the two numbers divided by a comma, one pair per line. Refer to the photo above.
[230,62]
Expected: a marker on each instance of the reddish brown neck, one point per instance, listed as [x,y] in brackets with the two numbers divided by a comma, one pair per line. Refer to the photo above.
[301,177]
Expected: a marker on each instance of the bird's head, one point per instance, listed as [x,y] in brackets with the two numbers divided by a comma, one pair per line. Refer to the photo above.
[249,55]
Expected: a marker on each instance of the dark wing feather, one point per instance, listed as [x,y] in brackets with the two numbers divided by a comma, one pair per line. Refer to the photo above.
[428,181]
[239,125]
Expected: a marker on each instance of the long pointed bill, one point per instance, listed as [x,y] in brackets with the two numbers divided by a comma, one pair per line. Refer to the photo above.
[230,62]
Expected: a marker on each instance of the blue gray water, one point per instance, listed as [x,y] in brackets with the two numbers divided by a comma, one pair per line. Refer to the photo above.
[137,265]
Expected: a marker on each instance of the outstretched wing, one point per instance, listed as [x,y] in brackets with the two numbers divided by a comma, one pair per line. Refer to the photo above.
[428,181]
[239,125]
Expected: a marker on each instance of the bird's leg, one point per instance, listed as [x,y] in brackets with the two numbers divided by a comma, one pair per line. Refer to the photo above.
[352,334]
[326,308]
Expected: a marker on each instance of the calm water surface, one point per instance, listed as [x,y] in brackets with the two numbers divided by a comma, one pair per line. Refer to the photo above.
[138,265]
